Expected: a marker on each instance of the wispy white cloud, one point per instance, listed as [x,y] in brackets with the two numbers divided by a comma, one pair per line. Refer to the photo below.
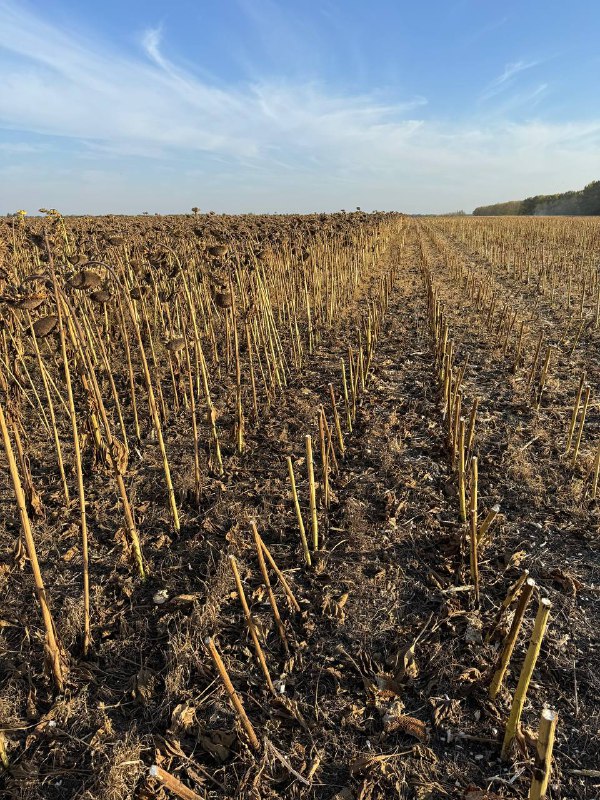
[528,98]
[151,39]
[264,144]
[66,87]
[506,78]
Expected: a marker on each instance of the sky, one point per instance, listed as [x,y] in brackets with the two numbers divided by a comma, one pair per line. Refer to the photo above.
[235,106]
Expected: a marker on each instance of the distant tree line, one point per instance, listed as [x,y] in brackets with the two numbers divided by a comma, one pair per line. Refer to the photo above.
[585,202]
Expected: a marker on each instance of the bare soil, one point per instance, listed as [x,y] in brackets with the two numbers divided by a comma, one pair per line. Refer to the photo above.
[384,691]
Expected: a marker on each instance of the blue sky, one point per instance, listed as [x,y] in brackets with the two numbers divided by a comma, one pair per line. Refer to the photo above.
[295,105]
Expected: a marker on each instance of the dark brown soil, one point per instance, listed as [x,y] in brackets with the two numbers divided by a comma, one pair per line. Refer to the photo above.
[387,630]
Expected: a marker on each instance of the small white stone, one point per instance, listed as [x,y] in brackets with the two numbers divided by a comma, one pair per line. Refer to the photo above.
[161,597]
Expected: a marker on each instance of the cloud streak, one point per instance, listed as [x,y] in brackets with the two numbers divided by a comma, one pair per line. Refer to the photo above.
[67,87]
[263,139]
[506,78]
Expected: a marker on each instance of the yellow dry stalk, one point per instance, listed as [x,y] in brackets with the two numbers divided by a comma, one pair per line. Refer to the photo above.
[346,399]
[454,432]
[577,337]
[471,429]
[509,329]
[595,472]
[543,754]
[461,471]
[309,321]
[519,346]
[140,317]
[443,344]
[336,420]
[267,581]
[535,360]
[312,493]
[52,645]
[324,457]
[575,413]
[131,377]
[543,376]
[234,698]
[250,623]
[535,643]
[331,457]
[172,783]
[301,528]
[239,425]
[152,403]
[194,422]
[474,557]
[508,600]
[251,366]
[55,433]
[511,638]
[109,372]
[90,384]
[79,472]
[586,401]
[351,380]
[38,406]
[212,414]
[487,523]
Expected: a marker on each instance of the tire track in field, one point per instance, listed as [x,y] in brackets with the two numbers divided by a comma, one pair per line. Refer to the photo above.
[520,452]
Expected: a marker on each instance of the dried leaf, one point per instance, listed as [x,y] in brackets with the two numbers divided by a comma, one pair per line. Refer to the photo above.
[35,501]
[335,608]
[144,685]
[443,709]
[365,763]
[218,744]
[19,554]
[184,599]
[335,673]
[122,539]
[408,667]
[183,718]
[258,595]
[385,686]
[71,553]
[515,559]
[566,581]
[101,734]
[119,455]
[291,708]
[471,675]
